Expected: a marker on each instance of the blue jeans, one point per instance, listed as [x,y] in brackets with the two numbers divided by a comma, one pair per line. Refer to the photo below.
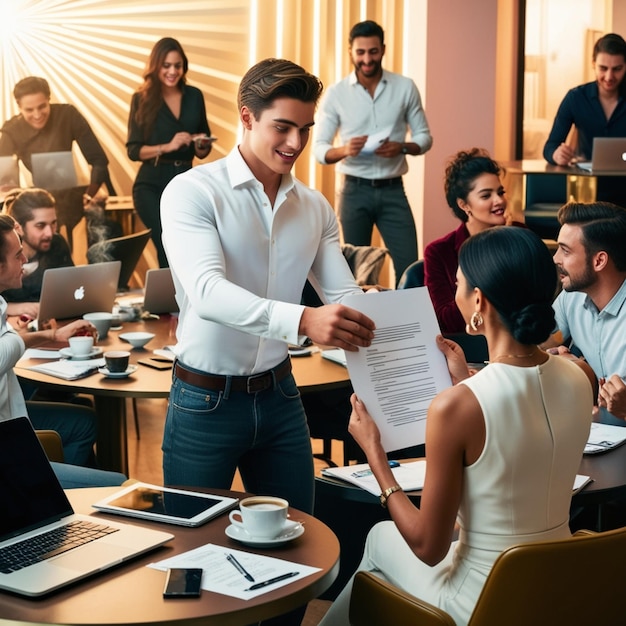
[73,477]
[361,206]
[75,424]
[208,434]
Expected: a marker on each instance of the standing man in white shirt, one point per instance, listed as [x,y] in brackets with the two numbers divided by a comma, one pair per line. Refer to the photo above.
[370,101]
[241,235]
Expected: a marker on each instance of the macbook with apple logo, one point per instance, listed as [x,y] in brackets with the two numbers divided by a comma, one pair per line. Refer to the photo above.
[609,155]
[70,292]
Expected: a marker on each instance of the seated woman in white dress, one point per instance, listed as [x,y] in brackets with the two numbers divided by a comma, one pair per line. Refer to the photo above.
[502,447]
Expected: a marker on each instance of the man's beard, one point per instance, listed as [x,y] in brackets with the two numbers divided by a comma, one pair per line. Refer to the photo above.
[581,282]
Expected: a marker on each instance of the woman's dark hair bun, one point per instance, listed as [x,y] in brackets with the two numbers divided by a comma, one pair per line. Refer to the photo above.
[533,324]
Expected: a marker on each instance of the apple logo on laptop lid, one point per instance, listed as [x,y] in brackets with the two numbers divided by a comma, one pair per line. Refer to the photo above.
[79,293]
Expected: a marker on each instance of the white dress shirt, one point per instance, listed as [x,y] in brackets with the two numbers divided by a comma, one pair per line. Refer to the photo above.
[239,266]
[348,108]
[11,350]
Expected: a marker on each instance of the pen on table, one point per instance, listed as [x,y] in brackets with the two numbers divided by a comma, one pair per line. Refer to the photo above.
[239,567]
[271,581]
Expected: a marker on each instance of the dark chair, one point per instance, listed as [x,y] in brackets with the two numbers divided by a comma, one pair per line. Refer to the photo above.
[328,412]
[126,249]
[534,583]
[413,276]
[545,195]
[474,346]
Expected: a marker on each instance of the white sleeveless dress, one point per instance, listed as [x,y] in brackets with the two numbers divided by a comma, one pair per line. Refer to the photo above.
[537,421]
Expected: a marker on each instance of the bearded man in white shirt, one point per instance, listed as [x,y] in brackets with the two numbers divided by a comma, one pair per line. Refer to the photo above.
[366,103]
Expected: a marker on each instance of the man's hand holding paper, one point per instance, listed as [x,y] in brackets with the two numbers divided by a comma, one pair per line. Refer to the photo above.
[403,369]
[375,141]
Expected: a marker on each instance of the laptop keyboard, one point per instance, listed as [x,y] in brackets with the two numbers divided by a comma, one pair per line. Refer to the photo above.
[50,544]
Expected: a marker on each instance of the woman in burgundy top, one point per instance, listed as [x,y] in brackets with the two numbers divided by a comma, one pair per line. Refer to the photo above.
[476,196]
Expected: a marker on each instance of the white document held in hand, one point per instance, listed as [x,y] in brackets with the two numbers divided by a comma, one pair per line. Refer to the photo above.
[375,141]
[403,370]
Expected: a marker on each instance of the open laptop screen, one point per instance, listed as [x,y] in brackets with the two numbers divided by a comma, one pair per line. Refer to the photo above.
[53,170]
[68,292]
[30,493]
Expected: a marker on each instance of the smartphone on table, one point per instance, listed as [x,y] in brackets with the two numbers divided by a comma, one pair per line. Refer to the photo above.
[183,582]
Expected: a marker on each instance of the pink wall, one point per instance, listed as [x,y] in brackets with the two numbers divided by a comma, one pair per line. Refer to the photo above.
[460,96]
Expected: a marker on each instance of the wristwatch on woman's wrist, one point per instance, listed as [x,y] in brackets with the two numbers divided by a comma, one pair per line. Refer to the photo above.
[385,494]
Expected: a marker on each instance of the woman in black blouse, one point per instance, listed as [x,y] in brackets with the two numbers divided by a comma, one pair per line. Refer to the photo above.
[167,127]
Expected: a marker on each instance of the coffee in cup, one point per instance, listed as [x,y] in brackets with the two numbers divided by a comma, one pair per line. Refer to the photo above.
[81,345]
[117,361]
[261,516]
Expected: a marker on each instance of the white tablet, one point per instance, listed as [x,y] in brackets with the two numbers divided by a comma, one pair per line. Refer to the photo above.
[163,504]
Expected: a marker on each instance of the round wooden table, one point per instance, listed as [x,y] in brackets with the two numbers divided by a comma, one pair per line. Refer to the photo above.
[132,592]
[312,373]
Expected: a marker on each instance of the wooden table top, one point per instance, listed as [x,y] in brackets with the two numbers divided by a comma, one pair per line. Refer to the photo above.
[312,373]
[132,593]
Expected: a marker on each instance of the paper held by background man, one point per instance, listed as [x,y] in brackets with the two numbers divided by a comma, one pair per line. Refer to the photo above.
[403,370]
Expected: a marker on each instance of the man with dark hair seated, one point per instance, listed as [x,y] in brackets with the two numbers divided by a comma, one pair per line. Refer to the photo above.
[12,346]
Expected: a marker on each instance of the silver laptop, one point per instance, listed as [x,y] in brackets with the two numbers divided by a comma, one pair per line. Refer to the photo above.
[159,292]
[34,504]
[9,171]
[68,292]
[609,155]
[53,170]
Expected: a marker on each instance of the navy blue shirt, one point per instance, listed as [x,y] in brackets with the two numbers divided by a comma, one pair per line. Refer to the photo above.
[581,107]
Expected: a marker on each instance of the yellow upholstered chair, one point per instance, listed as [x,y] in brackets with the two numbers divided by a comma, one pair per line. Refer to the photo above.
[577,581]
[50,441]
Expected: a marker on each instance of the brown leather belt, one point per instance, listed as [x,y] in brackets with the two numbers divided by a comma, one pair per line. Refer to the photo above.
[246,384]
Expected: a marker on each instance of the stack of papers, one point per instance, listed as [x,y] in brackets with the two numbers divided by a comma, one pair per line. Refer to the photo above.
[69,370]
[410,475]
[581,481]
[336,355]
[220,576]
[603,437]
[166,353]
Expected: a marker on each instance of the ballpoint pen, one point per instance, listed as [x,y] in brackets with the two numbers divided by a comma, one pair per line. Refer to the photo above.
[239,567]
[271,581]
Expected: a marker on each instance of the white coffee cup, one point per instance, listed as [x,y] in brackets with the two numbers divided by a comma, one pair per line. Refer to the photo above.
[101,320]
[81,346]
[261,516]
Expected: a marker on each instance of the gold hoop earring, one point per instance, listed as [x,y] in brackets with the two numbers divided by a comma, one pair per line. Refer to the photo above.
[476,320]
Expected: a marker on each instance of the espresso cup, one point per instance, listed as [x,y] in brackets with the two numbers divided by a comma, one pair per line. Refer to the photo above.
[81,345]
[117,360]
[101,320]
[261,516]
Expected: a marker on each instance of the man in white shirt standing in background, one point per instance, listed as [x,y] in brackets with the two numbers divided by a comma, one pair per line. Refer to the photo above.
[370,101]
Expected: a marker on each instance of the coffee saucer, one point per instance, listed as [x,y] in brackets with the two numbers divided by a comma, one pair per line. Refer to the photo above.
[291,531]
[68,354]
[105,372]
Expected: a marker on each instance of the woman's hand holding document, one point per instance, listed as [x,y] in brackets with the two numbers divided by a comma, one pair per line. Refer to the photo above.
[398,375]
